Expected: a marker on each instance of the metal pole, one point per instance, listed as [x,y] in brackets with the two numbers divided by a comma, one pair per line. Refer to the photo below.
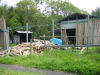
[30,46]
[88,30]
[53,30]
[27,32]
[8,36]
[4,39]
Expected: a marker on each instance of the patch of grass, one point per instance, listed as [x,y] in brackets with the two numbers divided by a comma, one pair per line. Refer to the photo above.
[92,49]
[1,48]
[64,60]
[9,72]
[12,45]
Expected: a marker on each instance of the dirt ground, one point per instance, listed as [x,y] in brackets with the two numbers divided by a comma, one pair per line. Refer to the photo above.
[39,71]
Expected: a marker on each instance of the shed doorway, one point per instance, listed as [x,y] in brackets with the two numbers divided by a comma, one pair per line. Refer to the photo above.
[71,32]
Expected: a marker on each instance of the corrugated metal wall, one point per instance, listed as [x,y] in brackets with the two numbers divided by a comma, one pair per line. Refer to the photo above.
[69,26]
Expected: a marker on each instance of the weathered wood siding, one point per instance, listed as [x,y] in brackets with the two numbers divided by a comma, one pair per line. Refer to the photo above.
[16,39]
[82,30]
[64,39]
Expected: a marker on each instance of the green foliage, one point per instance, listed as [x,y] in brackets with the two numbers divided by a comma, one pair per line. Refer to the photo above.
[64,8]
[28,11]
[64,60]
[96,12]
[12,45]
[9,72]
[3,10]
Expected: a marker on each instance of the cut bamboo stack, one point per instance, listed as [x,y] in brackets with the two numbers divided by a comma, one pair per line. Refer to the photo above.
[24,48]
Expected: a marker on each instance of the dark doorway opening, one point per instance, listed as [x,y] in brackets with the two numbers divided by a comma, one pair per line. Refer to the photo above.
[23,37]
[71,32]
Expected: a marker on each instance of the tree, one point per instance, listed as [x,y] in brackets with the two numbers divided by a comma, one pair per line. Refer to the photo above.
[96,12]
[60,7]
[63,8]
[3,10]
[28,12]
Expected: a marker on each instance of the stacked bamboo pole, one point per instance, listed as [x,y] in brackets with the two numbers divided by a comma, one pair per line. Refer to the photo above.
[24,48]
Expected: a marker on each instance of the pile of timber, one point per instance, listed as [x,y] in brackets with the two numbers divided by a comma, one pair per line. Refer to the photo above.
[24,48]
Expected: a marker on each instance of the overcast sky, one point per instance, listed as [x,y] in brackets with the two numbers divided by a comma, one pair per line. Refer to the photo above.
[87,5]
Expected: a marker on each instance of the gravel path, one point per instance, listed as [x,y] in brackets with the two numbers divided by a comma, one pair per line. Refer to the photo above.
[24,69]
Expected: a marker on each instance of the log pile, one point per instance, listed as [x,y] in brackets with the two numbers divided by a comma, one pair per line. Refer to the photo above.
[24,48]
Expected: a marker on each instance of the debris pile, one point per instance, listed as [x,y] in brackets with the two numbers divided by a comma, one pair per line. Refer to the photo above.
[24,48]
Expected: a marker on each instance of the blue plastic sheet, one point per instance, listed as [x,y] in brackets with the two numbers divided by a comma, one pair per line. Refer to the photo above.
[56,41]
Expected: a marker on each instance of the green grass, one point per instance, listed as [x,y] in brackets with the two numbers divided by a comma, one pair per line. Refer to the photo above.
[63,60]
[9,72]
[12,45]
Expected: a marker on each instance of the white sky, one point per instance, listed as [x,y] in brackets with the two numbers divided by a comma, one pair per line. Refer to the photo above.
[87,5]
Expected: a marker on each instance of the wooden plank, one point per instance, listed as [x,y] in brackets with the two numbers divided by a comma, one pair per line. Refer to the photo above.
[91,32]
[1,40]
[85,32]
[93,24]
[80,32]
[64,38]
[95,33]
[98,32]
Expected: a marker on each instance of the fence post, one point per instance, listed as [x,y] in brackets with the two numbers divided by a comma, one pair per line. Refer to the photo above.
[44,41]
[8,36]
[4,38]
[27,32]
[30,46]
[88,30]
[53,30]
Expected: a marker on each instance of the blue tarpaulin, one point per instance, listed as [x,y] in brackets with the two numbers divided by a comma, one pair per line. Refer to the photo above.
[56,41]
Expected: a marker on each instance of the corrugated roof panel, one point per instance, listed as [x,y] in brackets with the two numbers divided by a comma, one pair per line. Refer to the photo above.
[73,17]
[24,32]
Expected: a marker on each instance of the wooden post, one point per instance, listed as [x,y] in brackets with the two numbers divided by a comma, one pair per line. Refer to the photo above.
[27,32]
[53,30]
[76,30]
[8,36]
[30,46]
[88,31]
[4,38]
[44,41]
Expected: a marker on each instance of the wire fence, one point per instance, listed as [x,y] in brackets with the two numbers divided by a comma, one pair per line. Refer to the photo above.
[54,24]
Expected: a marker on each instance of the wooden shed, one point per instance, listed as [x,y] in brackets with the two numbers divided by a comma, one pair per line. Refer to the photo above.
[69,27]
[20,36]
[3,34]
